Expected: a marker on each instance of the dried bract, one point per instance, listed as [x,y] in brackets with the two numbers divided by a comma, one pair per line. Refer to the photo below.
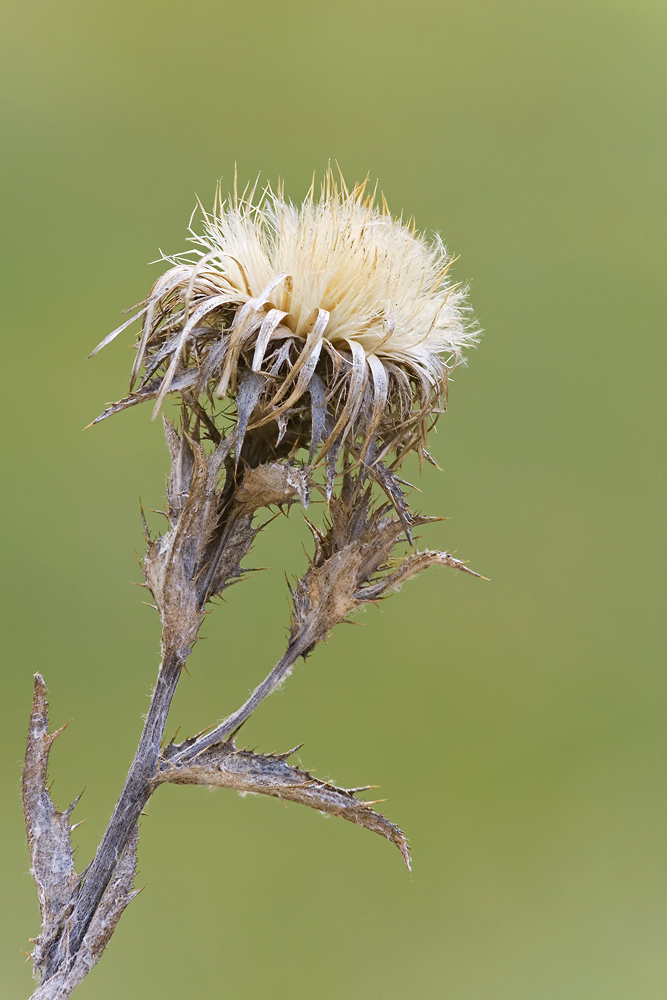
[345,316]
[354,565]
[210,528]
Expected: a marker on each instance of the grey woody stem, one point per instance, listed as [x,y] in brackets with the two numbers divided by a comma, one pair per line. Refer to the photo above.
[136,792]
[210,531]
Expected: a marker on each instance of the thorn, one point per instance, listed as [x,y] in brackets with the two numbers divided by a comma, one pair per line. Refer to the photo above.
[267,523]
[411,486]
[288,753]
[56,734]
[144,523]
[163,513]
[72,806]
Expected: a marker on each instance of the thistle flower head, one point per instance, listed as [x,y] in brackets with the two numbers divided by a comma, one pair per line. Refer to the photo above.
[329,323]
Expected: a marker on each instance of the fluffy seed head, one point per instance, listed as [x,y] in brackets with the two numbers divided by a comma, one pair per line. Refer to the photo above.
[328,323]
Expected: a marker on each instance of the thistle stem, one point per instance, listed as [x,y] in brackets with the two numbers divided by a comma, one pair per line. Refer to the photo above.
[136,792]
[229,725]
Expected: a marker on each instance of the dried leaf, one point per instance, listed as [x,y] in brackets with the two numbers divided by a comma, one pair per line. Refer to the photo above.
[48,832]
[184,380]
[318,413]
[342,575]
[391,486]
[182,466]
[247,397]
[223,765]
[211,527]
[270,484]
[410,567]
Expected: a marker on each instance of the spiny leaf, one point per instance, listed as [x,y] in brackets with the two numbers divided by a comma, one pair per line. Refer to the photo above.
[48,830]
[223,765]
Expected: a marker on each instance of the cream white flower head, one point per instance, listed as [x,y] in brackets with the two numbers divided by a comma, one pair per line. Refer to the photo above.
[332,322]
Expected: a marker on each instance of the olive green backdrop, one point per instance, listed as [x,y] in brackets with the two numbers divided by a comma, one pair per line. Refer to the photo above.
[513,725]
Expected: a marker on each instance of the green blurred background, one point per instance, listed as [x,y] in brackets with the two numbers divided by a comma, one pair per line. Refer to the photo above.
[515,726]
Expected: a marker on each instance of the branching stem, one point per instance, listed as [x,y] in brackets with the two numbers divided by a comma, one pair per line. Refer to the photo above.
[134,796]
[229,725]
[211,531]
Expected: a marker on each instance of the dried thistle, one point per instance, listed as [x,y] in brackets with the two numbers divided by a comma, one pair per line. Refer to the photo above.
[290,336]
[343,320]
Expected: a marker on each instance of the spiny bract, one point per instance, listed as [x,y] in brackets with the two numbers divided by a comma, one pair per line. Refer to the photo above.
[333,299]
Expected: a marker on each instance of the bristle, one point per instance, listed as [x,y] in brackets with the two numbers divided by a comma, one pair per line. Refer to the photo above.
[334,289]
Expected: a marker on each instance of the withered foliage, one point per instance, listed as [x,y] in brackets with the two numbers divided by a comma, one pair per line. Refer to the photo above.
[352,563]
[303,416]
[224,765]
[309,393]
